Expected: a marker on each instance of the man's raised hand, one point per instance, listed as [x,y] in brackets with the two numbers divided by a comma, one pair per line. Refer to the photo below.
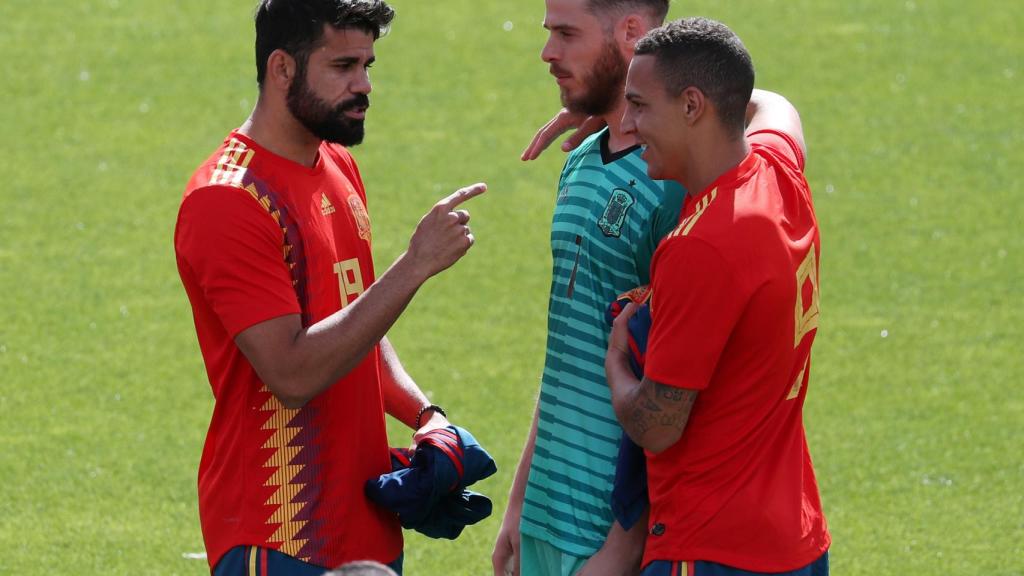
[558,125]
[443,236]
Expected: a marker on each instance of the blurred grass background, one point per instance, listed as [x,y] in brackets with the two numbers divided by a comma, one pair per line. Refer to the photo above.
[913,116]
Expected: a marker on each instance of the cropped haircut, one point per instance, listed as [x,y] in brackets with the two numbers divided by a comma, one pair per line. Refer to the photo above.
[297,26]
[657,9]
[706,55]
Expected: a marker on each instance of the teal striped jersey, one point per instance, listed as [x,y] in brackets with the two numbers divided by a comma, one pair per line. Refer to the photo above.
[609,217]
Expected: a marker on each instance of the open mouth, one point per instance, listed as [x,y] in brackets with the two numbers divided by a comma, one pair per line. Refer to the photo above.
[358,113]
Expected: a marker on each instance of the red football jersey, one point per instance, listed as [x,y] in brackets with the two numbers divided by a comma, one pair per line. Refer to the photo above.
[259,236]
[734,312]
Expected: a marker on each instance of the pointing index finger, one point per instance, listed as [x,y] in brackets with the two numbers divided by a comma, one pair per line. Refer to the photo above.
[463,194]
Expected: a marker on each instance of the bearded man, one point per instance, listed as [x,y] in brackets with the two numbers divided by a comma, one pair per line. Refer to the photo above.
[608,219]
[273,248]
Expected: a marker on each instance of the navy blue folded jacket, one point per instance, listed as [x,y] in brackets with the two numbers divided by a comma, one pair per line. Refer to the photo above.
[427,487]
[629,492]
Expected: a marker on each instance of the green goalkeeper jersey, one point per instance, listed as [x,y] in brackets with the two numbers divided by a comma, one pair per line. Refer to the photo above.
[608,219]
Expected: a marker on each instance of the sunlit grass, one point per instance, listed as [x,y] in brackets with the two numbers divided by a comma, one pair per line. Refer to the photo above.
[913,119]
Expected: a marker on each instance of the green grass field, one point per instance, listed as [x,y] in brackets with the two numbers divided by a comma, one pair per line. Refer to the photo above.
[913,115]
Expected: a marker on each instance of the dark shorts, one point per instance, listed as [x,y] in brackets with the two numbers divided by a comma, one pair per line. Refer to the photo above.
[665,568]
[256,561]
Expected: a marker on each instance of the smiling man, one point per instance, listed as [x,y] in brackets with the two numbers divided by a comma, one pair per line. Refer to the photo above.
[734,311]
[608,219]
[273,248]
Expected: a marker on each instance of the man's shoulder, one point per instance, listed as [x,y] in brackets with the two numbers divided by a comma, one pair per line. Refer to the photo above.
[214,196]
[666,194]
[337,152]
[222,208]
[591,145]
[707,228]
[223,184]
[779,147]
[225,176]
[340,156]
[592,141]
[227,166]
[735,221]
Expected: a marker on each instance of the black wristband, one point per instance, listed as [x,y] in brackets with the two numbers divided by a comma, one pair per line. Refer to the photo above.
[433,407]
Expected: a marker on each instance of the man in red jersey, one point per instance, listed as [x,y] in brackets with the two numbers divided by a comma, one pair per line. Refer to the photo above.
[734,312]
[273,248]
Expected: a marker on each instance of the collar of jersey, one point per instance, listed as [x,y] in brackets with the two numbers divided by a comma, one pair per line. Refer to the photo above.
[608,157]
[289,166]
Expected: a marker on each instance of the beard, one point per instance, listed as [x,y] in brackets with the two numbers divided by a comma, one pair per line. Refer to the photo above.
[323,120]
[602,86]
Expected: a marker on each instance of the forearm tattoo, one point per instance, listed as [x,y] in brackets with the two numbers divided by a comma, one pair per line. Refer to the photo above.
[658,406]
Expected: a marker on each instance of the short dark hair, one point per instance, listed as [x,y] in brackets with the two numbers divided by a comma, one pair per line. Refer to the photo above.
[707,55]
[657,9]
[297,26]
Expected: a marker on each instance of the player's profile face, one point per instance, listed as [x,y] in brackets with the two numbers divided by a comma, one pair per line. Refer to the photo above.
[329,95]
[652,116]
[583,57]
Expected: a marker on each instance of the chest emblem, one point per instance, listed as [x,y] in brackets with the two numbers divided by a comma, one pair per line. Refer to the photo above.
[362,218]
[615,213]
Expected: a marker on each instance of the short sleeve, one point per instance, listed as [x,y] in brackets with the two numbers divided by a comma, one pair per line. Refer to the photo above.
[696,302]
[781,144]
[234,250]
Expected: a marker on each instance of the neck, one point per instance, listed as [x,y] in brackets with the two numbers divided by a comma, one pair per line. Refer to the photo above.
[617,141]
[716,155]
[274,128]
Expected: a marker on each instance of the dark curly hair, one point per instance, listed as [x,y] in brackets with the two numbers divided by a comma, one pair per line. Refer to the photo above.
[707,55]
[297,26]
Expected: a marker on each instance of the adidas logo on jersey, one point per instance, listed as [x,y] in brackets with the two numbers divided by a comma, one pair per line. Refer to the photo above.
[326,208]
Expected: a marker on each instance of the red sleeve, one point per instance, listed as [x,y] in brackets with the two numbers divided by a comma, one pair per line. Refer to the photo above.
[234,249]
[781,144]
[696,302]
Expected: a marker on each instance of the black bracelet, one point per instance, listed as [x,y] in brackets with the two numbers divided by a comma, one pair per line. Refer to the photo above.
[433,407]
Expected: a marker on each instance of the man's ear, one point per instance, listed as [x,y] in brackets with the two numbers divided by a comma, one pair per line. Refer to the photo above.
[633,27]
[281,68]
[694,104]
